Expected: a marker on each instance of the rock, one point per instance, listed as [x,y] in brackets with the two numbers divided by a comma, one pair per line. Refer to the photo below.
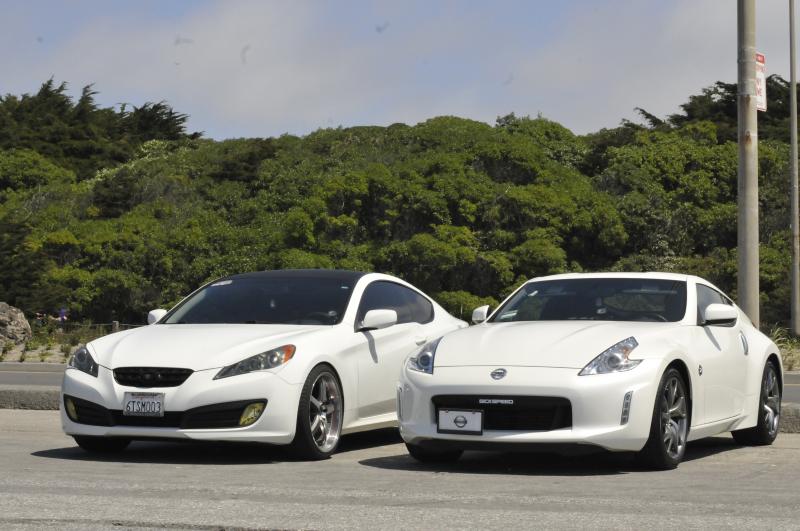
[13,325]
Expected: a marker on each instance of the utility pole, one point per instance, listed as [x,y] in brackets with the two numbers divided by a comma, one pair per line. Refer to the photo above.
[748,289]
[795,221]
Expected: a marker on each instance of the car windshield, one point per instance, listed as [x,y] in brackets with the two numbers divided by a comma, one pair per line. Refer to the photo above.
[596,299]
[266,300]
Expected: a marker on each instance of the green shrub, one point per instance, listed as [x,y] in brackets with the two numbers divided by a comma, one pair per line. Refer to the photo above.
[789,346]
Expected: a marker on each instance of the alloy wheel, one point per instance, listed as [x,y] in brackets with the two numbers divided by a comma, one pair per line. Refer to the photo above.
[771,400]
[325,411]
[674,417]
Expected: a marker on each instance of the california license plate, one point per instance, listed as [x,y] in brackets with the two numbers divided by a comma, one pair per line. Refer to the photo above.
[467,422]
[143,405]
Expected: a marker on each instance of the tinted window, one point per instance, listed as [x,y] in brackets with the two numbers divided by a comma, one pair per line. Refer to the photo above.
[272,300]
[410,306]
[707,296]
[597,299]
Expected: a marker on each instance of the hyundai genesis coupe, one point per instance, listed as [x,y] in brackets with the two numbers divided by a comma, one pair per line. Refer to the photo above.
[284,357]
[623,362]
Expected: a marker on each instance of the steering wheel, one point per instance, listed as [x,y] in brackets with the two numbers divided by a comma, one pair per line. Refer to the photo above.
[656,315]
[321,317]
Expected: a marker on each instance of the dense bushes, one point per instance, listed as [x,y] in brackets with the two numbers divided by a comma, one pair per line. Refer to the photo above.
[114,212]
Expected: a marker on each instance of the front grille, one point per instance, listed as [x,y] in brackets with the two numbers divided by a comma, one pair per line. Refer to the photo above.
[215,416]
[527,413]
[151,376]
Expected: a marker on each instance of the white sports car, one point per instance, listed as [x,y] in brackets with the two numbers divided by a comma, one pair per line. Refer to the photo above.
[624,362]
[284,357]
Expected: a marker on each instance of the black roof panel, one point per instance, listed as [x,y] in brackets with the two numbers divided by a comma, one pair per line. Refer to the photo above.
[333,274]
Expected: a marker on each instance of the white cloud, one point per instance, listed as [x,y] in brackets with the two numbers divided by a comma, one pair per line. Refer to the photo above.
[308,66]
[629,54]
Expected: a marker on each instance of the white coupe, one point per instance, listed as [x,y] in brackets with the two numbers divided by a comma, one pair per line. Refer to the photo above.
[623,362]
[283,357]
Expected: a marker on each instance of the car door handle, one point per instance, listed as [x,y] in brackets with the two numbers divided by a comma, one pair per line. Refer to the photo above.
[421,340]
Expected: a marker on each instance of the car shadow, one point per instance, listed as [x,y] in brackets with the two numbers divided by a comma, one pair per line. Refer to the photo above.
[546,464]
[213,453]
[711,446]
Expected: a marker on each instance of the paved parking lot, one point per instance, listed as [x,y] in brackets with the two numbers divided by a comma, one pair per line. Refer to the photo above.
[47,482]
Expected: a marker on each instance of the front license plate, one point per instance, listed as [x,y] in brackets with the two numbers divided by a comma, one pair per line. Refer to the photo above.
[468,422]
[143,405]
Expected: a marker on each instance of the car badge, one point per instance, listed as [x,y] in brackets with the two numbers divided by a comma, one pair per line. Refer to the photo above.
[499,374]
[460,421]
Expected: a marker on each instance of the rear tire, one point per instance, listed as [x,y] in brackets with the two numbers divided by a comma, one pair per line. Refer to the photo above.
[769,412]
[319,415]
[426,455]
[101,445]
[669,426]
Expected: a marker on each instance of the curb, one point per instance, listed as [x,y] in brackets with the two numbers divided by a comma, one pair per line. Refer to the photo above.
[23,397]
[47,398]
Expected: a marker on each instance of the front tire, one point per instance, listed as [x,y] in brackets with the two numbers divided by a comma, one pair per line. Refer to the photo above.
[101,445]
[319,415]
[769,412]
[669,427]
[426,455]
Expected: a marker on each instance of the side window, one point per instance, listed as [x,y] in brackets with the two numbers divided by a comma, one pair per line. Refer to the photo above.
[707,296]
[409,305]
[421,308]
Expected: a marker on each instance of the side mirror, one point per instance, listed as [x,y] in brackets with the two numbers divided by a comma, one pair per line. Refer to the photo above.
[155,315]
[377,319]
[720,315]
[480,314]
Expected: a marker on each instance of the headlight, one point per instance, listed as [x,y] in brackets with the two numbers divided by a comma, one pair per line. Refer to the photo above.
[260,362]
[83,361]
[613,359]
[422,361]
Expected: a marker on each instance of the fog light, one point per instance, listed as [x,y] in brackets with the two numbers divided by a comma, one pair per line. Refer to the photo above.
[72,413]
[626,407]
[251,413]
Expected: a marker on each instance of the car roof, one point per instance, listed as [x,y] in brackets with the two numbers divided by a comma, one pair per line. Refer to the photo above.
[650,275]
[330,274]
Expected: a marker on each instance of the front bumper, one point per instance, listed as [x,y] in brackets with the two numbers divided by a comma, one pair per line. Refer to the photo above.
[276,425]
[596,401]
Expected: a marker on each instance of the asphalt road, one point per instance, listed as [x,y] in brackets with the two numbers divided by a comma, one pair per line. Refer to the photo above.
[33,374]
[46,482]
[48,374]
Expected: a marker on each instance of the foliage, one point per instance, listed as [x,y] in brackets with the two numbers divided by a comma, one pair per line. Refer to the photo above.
[78,135]
[789,347]
[111,213]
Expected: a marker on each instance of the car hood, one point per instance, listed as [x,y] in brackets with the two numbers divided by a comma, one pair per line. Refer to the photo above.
[193,346]
[566,344]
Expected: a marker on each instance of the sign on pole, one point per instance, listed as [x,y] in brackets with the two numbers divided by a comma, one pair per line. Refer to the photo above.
[761,83]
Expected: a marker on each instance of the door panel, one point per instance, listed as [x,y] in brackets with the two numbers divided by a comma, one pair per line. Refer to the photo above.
[384,351]
[720,352]
[381,359]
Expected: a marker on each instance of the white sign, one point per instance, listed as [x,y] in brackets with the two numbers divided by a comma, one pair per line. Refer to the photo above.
[761,83]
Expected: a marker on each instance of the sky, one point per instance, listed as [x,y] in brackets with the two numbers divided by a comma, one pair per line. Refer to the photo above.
[265,68]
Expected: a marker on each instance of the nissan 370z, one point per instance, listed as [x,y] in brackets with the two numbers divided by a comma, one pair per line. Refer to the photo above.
[624,362]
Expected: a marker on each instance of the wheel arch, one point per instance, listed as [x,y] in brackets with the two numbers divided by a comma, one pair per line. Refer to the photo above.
[776,359]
